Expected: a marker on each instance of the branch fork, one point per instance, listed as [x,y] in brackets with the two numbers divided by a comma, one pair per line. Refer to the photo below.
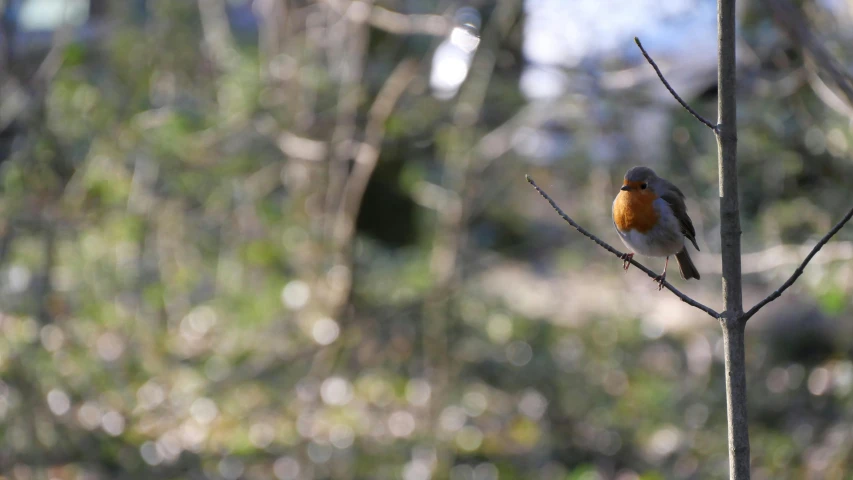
[712,126]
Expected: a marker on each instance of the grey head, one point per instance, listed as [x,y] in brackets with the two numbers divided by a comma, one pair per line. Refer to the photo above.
[640,174]
[640,178]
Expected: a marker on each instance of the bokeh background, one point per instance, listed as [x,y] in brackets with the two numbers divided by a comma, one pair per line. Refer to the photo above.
[293,240]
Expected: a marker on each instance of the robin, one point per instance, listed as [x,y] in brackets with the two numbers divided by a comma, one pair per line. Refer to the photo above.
[650,215]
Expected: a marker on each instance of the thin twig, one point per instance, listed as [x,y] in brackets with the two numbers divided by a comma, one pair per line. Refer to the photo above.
[799,270]
[601,243]
[671,90]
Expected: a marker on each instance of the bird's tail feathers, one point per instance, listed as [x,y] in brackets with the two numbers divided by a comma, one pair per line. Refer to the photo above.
[685,265]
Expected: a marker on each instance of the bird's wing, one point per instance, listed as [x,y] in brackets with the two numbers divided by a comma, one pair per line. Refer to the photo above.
[675,199]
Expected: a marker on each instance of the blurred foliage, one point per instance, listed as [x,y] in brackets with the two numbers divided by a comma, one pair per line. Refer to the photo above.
[180,298]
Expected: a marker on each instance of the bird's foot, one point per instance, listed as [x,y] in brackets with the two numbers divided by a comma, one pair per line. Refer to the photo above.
[626,260]
[660,279]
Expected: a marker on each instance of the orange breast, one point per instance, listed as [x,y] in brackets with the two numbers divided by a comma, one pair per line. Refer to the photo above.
[634,210]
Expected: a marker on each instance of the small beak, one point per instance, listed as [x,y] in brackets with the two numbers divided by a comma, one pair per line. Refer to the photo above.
[625,188]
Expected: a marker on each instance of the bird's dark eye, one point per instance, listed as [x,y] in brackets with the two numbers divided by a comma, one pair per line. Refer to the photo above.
[643,186]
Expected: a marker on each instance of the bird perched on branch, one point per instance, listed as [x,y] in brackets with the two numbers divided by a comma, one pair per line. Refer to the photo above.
[650,215]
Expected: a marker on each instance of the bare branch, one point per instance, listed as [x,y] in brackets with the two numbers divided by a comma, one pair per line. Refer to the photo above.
[799,270]
[795,25]
[391,21]
[829,96]
[302,147]
[671,90]
[217,33]
[601,243]
[51,64]
[368,152]
[451,222]
[400,23]
[365,163]
[346,44]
